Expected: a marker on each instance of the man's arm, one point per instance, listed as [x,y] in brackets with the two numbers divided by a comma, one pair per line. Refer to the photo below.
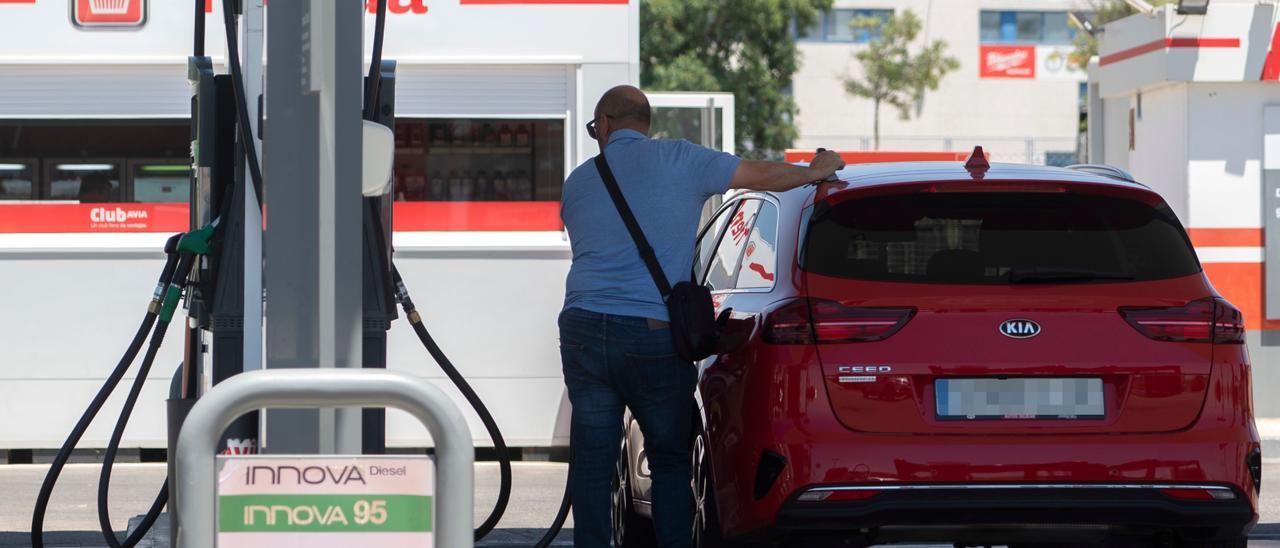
[781,176]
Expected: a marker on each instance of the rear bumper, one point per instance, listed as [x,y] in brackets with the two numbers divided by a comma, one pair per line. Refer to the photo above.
[1014,513]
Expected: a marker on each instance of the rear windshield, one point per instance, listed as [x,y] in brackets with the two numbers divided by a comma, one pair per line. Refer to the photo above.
[998,238]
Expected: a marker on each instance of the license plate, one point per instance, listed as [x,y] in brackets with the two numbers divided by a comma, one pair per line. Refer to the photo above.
[1019,398]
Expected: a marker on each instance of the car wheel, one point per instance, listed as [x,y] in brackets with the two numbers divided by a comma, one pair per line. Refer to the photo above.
[630,530]
[706,518]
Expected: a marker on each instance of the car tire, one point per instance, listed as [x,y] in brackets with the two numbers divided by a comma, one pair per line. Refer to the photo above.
[706,516]
[630,529]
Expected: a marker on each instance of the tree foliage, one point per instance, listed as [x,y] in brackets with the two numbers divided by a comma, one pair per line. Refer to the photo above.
[892,73]
[1100,12]
[746,47]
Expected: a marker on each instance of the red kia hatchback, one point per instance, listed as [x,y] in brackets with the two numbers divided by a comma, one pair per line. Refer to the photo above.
[994,354]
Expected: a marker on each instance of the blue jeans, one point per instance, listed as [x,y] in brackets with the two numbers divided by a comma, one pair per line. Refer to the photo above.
[612,362]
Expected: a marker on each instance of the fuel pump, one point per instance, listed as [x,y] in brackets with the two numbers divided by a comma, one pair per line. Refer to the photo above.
[206,265]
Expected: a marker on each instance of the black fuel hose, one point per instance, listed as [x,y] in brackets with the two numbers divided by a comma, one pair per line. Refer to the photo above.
[131,353]
[183,269]
[242,106]
[446,365]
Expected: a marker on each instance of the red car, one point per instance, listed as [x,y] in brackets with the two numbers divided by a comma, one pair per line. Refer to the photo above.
[937,351]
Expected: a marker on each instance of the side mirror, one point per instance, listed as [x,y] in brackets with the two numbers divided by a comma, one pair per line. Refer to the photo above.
[379,157]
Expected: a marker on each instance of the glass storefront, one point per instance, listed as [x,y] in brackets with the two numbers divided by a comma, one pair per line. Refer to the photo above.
[89,162]
[479,160]
[451,174]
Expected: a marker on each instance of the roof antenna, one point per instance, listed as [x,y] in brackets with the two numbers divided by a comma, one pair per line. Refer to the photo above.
[977,163]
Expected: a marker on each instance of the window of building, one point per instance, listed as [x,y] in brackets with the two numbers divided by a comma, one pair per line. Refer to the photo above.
[81,161]
[17,179]
[833,26]
[479,160]
[1025,27]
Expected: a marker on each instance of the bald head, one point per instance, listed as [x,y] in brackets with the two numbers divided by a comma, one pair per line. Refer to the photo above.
[626,107]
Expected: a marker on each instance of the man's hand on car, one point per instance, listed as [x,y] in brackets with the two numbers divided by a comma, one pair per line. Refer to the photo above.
[781,177]
[825,164]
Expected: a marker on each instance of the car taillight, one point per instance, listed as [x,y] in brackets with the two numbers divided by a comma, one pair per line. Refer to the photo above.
[1206,320]
[808,321]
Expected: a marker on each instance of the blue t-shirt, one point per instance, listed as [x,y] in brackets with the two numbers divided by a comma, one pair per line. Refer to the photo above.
[665,182]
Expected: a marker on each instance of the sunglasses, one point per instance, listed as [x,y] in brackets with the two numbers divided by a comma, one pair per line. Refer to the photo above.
[591,126]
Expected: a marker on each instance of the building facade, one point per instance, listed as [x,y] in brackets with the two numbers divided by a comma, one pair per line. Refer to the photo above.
[1015,93]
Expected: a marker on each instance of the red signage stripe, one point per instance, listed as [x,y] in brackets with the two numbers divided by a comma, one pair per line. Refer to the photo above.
[409,216]
[880,156]
[1166,43]
[476,216]
[1226,237]
[543,2]
[1271,68]
[17,1]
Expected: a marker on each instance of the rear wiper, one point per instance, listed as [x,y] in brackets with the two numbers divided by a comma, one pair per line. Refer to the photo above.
[1051,275]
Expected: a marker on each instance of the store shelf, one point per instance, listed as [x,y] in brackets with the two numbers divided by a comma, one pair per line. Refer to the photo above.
[490,151]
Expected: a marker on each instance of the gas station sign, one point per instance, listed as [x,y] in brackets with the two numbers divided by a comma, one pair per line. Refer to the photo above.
[322,501]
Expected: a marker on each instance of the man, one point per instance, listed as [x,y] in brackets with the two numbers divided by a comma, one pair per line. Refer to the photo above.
[95,188]
[615,344]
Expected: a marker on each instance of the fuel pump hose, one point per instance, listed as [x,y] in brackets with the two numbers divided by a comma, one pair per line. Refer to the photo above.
[504,459]
[154,308]
[191,245]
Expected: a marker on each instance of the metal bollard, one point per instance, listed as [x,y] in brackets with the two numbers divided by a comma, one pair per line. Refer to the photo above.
[309,388]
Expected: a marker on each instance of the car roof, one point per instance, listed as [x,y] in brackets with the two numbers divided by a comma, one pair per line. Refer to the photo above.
[866,175]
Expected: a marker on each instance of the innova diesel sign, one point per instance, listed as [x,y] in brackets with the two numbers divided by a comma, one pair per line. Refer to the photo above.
[325,502]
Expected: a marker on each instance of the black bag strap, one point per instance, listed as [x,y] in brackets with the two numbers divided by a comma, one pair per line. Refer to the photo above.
[629,219]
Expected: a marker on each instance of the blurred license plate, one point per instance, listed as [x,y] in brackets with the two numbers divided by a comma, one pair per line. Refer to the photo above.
[1019,398]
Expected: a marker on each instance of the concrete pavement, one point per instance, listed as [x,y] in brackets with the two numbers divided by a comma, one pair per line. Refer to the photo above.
[72,518]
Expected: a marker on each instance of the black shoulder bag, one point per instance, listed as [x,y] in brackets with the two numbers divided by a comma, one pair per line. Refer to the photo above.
[693,317]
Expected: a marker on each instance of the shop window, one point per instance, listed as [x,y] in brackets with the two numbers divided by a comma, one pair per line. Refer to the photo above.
[1025,27]
[833,26]
[479,160]
[17,179]
[117,161]
[160,181]
[85,181]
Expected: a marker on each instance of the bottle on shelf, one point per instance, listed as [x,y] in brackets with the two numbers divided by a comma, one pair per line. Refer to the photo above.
[484,186]
[460,133]
[501,186]
[505,137]
[439,187]
[456,189]
[522,135]
[522,189]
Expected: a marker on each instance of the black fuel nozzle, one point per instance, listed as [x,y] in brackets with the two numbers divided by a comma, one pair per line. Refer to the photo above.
[166,274]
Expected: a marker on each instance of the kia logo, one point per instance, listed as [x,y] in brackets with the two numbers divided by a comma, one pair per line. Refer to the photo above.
[1019,329]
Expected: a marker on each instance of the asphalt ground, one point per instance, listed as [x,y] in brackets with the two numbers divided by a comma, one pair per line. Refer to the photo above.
[72,518]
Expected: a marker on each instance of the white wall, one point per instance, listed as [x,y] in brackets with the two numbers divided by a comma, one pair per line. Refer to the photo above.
[1159,158]
[1225,152]
[69,314]
[1000,114]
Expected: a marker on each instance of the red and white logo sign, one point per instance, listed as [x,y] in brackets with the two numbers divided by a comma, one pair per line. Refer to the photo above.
[1007,61]
[109,13]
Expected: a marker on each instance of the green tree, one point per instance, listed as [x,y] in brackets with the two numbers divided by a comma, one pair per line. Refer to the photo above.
[746,47]
[1100,12]
[892,73]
